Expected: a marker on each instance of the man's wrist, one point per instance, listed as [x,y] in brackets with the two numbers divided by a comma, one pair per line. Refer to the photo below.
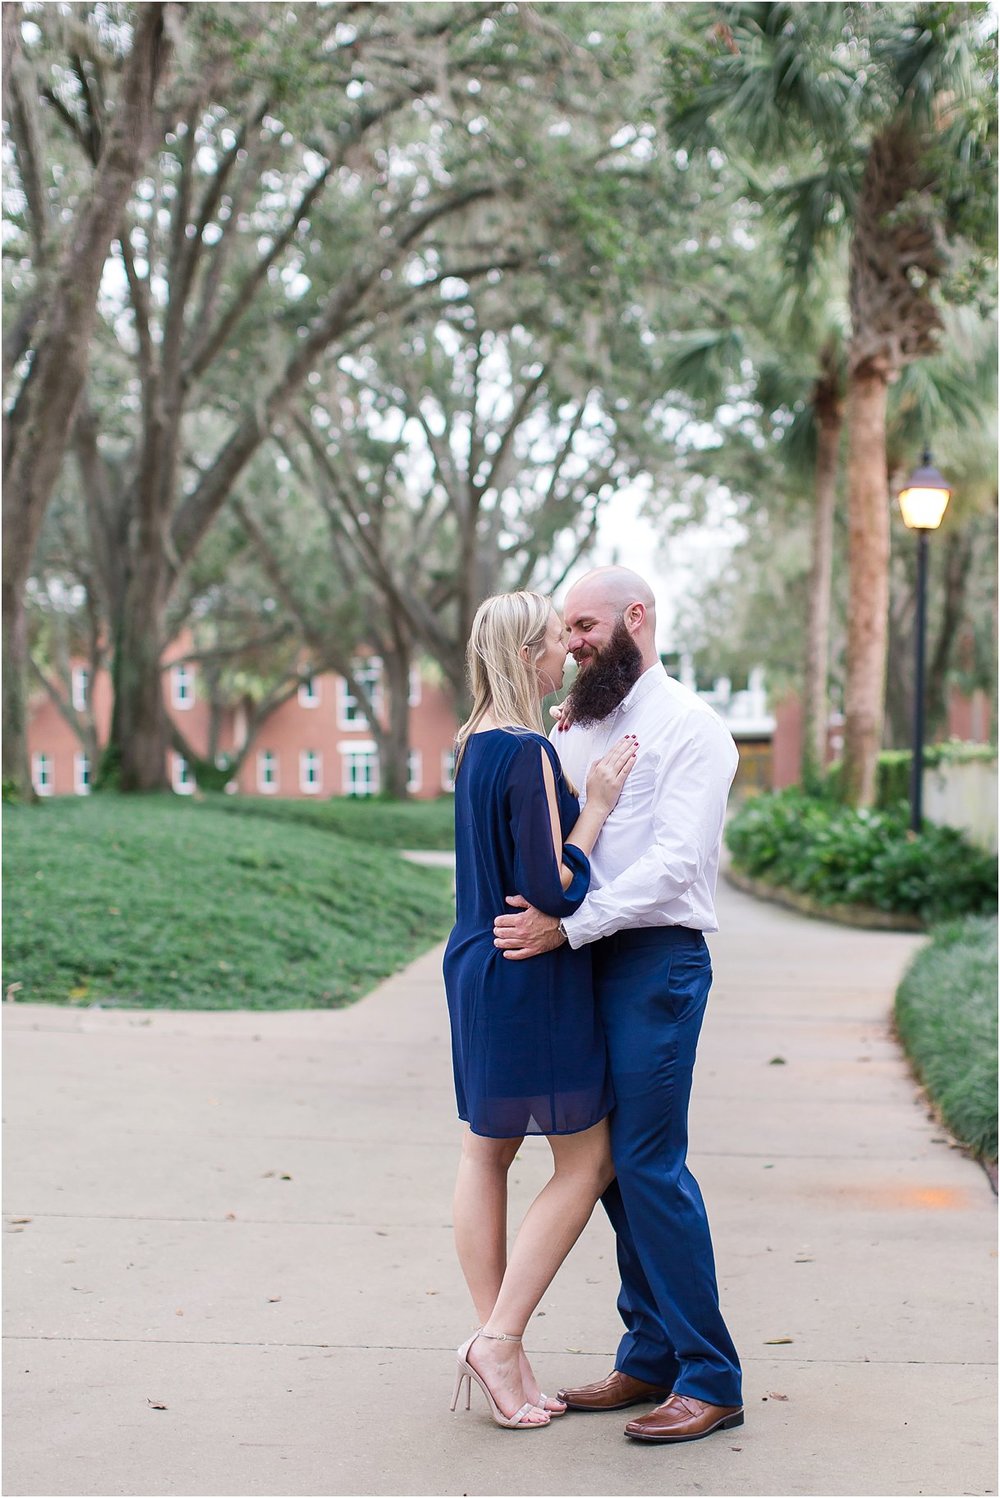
[561,929]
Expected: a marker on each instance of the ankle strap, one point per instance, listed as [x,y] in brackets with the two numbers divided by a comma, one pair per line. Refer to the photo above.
[500,1336]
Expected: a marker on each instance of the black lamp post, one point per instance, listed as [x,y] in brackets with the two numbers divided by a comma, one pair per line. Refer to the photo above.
[923,503]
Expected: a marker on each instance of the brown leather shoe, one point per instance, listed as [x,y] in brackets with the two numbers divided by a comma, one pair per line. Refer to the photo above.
[682,1418]
[616,1392]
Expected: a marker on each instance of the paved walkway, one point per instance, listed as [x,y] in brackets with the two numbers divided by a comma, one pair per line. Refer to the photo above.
[245,1219]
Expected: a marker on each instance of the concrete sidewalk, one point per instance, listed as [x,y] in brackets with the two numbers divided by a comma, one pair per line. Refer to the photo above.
[245,1218]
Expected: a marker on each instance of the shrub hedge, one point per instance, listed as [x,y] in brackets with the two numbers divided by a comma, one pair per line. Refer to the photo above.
[946,1017]
[841,856]
[892,771]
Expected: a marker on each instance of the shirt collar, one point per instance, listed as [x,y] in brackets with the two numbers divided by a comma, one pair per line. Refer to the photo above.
[647,683]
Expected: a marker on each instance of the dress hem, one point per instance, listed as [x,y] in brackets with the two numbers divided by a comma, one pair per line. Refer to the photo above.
[537,1133]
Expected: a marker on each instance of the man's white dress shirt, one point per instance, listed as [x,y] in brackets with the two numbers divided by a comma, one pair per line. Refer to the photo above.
[656,862]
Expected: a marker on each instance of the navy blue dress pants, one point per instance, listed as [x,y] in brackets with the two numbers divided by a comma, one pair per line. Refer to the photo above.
[652,987]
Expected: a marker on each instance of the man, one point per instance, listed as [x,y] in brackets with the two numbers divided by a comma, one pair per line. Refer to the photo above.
[654,872]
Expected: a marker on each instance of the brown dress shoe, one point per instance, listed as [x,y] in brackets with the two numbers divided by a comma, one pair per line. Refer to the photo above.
[682,1418]
[616,1392]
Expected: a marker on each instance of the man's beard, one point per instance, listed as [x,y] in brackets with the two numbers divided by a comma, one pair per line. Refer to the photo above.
[602,684]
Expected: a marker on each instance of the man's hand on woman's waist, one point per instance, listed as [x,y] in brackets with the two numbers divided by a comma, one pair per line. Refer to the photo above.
[528,934]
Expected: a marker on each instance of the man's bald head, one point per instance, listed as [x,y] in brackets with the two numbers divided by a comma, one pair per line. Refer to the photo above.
[609,593]
[617,586]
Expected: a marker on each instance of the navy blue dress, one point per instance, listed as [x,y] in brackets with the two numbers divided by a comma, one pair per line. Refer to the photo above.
[528,1048]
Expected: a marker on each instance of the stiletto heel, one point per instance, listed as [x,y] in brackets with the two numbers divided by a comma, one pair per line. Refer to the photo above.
[466,1373]
[462,1378]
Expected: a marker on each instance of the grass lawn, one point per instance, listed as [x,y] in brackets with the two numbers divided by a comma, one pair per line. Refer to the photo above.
[380,824]
[946,1014]
[157,901]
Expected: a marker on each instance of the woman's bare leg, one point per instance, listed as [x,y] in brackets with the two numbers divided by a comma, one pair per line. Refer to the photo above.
[480,1216]
[551,1226]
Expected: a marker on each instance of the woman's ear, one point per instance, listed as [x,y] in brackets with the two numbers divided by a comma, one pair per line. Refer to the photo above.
[525,655]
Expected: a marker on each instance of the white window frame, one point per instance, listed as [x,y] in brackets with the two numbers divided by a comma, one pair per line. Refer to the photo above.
[414,771]
[349,714]
[43,773]
[81,774]
[182,686]
[181,776]
[416,686]
[362,749]
[267,759]
[309,692]
[448,770]
[80,688]
[315,786]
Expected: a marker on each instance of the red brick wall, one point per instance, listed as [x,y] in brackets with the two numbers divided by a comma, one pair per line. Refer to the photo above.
[292,729]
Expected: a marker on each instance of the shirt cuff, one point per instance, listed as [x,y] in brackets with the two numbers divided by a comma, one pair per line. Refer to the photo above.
[581,927]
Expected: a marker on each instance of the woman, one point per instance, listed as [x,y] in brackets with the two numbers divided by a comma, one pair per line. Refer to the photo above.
[527,1046]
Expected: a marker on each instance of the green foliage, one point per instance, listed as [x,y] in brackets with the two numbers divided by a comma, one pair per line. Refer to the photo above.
[946,1016]
[892,772]
[159,902]
[838,855]
[11,791]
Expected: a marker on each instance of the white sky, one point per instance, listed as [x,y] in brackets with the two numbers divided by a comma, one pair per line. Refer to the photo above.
[670,563]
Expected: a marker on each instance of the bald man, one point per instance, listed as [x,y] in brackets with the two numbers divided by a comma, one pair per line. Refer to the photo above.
[651,901]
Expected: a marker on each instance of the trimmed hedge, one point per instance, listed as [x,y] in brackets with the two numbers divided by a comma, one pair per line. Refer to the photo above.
[840,856]
[892,771]
[946,1017]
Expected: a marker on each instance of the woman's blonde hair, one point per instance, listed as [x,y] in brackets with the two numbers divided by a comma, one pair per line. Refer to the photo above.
[502,681]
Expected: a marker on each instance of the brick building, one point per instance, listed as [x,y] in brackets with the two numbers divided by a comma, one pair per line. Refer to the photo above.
[318,743]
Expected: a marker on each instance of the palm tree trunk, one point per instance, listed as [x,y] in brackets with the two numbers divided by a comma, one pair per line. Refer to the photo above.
[868,561]
[816,709]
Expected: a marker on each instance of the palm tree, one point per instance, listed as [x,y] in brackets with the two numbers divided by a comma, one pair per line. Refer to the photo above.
[891,107]
[793,338]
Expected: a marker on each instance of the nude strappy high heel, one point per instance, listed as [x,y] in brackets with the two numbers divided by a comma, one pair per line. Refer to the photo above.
[466,1373]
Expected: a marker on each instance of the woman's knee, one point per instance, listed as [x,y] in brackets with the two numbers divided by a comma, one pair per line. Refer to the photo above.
[586,1156]
[489,1154]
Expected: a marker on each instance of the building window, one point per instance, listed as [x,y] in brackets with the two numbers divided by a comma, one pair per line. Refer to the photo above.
[267,772]
[182,686]
[80,688]
[368,676]
[448,770]
[310,772]
[309,692]
[81,775]
[414,771]
[41,774]
[181,777]
[416,686]
[361,773]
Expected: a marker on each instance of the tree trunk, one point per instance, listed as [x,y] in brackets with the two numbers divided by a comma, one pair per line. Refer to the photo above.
[956,563]
[816,708]
[16,770]
[39,425]
[135,759]
[868,560]
[394,748]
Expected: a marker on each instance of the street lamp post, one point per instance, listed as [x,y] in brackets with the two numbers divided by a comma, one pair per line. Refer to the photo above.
[923,503]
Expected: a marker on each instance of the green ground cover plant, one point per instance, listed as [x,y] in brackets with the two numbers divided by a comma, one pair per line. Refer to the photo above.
[427,825]
[841,856]
[154,901]
[946,1016]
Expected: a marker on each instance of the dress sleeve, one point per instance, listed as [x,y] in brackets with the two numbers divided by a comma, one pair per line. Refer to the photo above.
[535,868]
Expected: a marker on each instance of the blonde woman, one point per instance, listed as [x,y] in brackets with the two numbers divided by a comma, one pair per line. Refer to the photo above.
[528,1050]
